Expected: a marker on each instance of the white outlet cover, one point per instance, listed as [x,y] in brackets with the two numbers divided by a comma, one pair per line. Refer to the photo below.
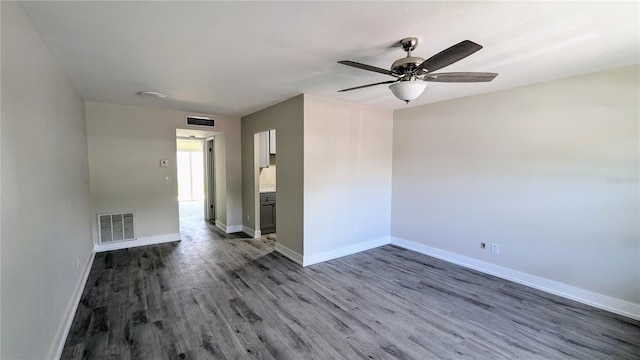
[495,249]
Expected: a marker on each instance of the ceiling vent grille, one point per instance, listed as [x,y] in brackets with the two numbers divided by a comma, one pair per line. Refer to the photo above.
[199,121]
[116,227]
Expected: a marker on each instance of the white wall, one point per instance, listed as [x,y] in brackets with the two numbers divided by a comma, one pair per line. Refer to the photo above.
[334,161]
[549,171]
[46,226]
[126,144]
[347,177]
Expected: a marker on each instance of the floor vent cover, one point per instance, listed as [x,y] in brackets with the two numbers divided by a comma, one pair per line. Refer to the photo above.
[116,227]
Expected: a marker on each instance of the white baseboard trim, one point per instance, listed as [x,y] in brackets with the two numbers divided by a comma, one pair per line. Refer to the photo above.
[600,301]
[249,231]
[289,254]
[142,241]
[228,229]
[222,226]
[63,330]
[344,251]
[234,229]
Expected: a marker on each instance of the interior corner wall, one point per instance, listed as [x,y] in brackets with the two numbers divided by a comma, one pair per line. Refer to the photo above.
[126,144]
[45,224]
[347,177]
[548,171]
[287,119]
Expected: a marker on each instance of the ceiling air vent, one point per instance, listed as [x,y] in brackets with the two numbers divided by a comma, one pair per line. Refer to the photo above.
[199,121]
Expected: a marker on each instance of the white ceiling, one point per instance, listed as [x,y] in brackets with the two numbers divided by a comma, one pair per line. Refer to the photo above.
[233,58]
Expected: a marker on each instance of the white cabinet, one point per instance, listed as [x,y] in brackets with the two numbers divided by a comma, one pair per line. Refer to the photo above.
[272,142]
[263,149]
[266,147]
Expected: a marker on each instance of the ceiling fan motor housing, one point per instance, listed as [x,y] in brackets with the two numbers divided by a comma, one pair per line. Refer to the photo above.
[407,64]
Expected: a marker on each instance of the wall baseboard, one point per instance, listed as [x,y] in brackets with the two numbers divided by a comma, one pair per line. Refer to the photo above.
[228,229]
[142,241]
[289,254]
[600,301]
[63,331]
[344,251]
[234,229]
[222,226]
[249,231]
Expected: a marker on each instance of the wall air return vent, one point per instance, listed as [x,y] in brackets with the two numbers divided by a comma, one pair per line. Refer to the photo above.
[116,227]
[199,121]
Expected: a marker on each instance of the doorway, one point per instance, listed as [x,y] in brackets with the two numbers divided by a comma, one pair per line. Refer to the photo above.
[195,178]
[266,183]
[190,161]
[191,191]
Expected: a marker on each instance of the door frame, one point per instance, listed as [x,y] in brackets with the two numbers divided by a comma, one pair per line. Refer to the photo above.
[209,151]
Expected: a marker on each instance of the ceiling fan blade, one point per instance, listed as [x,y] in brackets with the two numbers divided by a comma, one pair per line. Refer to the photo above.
[367,67]
[364,86]
[449,56]
[461,77]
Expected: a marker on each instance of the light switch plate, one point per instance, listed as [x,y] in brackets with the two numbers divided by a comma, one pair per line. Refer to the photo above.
[164,163]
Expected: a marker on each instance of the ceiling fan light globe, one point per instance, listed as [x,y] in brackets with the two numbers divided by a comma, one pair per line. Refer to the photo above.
[407,90]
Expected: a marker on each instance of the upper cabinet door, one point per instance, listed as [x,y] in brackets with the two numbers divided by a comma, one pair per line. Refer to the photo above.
[263,146]
[272,142]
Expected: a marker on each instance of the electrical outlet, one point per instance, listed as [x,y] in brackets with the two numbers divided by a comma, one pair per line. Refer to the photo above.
[495,248]
[483,245]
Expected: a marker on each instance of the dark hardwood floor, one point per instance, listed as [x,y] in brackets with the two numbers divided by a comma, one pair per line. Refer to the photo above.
[217,296]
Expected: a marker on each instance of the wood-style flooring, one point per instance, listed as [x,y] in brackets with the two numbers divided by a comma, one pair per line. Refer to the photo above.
[216,296]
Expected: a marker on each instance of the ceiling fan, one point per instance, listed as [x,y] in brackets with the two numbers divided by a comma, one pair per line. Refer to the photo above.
[411,73]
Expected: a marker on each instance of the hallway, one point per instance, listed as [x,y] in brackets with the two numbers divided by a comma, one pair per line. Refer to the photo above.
[192,219]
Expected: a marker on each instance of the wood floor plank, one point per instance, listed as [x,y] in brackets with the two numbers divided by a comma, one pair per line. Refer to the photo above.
[224,296]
